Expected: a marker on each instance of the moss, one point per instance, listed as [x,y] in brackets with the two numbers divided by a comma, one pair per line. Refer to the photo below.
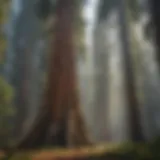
[133,151]
[20,157]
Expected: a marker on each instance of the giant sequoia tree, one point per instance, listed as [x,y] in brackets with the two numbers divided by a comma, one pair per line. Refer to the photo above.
[59,121]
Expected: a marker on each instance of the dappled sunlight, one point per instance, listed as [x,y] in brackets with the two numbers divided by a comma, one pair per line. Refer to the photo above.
[79,79]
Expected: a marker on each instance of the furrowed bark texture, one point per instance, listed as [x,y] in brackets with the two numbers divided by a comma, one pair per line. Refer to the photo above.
[52,126]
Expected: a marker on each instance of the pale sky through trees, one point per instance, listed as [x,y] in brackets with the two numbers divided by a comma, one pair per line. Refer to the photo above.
[89,15]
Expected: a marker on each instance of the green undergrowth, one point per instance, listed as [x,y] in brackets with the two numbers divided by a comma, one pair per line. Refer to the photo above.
[128,151]
[18,157]
[133,151]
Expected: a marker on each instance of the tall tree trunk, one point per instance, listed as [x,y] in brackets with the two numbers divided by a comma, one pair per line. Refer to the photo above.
[22,62]
[155,13]
[100,97]
[110,97]
[61,99]
[135,123]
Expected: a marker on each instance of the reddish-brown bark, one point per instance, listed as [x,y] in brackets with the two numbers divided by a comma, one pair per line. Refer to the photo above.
[61,95]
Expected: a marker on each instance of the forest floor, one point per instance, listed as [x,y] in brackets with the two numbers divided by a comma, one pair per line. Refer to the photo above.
[54,154]
[128,151]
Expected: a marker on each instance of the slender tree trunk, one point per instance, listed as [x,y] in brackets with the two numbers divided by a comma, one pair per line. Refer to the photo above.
[61,97]
[135,123]
[155,13]
[100,99]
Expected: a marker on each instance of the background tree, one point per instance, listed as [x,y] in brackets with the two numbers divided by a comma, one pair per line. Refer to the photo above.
[114,72]
[156,24]
[6,91]
[23,69]
[134,113]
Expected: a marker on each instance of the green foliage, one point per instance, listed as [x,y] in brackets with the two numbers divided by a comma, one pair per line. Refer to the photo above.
[133,8]
[6,110]
[79,24]
[6,96]
[133,151]
[20,157]
[6,92]
[126,151]
[142,151]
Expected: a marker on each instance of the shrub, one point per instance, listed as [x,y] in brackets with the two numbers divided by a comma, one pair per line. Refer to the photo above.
[6,111]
